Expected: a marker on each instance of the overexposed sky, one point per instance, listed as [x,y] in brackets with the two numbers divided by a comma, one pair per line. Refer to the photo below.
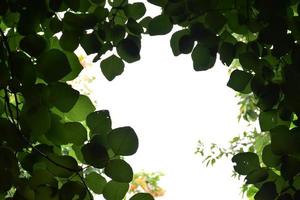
[171,107]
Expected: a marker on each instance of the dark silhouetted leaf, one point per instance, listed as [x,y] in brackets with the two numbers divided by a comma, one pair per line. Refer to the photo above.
[239,80]
[112,67]
[95,182]
[160,25]
[245,162]
[99,122]
[115,191]
[142,196]
[119,170]
[53,65]
[123,141]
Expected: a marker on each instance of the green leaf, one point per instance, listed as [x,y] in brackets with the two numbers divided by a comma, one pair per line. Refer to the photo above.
[90,43]
[95,154]
[119,171]
[270,119]
[38,119]
[63,96]
[74,132]
[123,141]
[135,10]
[117,3]
[72,190]
[134,27]
[62,166]
[34,45]
[53,65]
[99,122]
[269,158]
[75,66]
[115,191]
[186,44]
[117,33]
[257,176]
[266,192]
[282,141]
[227,53]
[160,25]
[95,182]
[249,61]
[112,67]
[239,80]
[142,196]
[55,132]
[55,25]
[69,41]
[42,177]
[246,162]
[202,58]
[129,49]
[81,109]
[215,21]
[174,42]
[160,3]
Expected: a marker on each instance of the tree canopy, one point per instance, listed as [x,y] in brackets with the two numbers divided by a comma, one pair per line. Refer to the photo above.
[55,145]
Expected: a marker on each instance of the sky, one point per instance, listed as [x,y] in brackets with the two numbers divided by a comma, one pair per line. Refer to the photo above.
[171,107]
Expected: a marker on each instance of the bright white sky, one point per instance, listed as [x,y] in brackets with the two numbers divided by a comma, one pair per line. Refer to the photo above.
[171,106]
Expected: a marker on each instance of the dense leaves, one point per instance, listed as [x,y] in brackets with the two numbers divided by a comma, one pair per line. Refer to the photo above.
[50,132]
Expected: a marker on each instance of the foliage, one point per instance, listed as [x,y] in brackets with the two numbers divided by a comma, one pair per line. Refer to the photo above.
[52,133]
[147,182]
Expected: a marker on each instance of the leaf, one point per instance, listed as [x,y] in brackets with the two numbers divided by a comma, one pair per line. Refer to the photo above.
[129,49]
[53,65]
[34,45]
[269,158]
[76,66]
[160,25]
[174,42]
[160,3]
[38,119]
[115,191]
[227,53]
[95,154]
[239,81]
[266,192]
[69,41]
[99,122]
[64,166]
[257,176]
[95,182]
[249,61]
[270,119]
[74,132]
[123,141]
[246,162]
[72,190]
[135,10]
[112,67]
[42,177]
[202,58]
[81,109]
[63,96]
[142,196]
[186,44]
[119,170]
[90,43]
[282,141]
